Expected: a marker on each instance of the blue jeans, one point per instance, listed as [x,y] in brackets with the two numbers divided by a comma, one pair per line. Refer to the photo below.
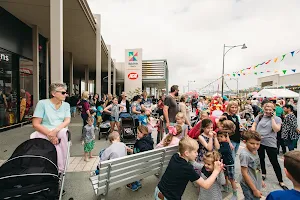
[236,148]
[156,194]
[290,144]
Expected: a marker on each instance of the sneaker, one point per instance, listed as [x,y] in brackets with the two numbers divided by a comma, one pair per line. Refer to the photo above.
[138,184]
[133,187]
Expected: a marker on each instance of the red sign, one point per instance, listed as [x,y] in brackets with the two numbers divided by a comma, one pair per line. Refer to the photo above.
[133,76]
[25,71]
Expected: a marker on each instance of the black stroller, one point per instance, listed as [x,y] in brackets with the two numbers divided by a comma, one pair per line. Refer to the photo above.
[31,173]
[128,131]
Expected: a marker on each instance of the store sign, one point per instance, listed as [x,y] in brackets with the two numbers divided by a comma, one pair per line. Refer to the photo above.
[133,76]
[133,70]
[4,57]
[25,71]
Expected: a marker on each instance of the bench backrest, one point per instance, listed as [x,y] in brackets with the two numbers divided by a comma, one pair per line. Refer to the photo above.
[121,171]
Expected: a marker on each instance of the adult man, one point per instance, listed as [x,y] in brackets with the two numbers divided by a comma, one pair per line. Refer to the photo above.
[170,106]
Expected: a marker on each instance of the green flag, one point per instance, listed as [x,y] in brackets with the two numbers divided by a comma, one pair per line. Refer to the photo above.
[284,71]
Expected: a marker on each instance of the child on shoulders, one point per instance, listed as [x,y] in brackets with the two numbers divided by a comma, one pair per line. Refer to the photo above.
[180,171]
[214,192]
[251,180]
[172,138]
[292,171]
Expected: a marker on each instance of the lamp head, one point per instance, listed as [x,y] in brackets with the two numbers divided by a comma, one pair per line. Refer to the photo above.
[244,46]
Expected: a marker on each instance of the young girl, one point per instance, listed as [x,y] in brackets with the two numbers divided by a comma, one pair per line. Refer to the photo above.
[207,168]
[114,110]
[88,138]
[208,139]
[99,112]
[180,120]
[172,138]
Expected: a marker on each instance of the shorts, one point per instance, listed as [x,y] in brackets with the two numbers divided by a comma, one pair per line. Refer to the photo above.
[229,172]
[99,119]
[73,109]
[88,147]
[248,193]
[113,119]
[156,194]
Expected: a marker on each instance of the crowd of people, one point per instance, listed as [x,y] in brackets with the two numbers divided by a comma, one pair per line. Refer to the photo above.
[207,149]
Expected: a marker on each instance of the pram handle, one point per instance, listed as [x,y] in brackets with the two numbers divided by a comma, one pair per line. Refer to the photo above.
[69,135]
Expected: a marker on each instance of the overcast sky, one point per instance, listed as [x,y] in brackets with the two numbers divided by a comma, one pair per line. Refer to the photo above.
[190,34]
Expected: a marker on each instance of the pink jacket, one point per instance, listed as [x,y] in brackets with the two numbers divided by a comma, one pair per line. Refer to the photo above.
[175,141]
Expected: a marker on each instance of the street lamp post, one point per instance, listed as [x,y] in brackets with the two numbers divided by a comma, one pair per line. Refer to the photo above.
[189,84]
[224,53]
[237,85]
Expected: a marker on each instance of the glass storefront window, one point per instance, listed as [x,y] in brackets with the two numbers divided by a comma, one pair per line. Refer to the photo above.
[8,89]
[26,89]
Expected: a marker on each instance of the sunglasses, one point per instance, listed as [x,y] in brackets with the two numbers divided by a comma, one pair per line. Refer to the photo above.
[62,92]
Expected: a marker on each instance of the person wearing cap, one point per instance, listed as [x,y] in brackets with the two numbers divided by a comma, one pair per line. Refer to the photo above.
[125,103]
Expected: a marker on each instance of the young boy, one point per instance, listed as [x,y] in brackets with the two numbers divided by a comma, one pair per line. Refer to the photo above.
[144,142]
[292,171]
[88,138]
[117,149]
[180,171]
[251,182]
[143,118]
[228,161]
[99,113]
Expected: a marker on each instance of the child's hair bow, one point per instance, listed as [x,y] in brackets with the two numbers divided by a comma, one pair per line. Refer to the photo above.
[172,130]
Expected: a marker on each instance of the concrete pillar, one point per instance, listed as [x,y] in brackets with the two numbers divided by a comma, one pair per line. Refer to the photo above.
[47,69]
[35,64]
[98,78]
[114,78]
[86,77]
[109,69]
[56,42]
[71,80]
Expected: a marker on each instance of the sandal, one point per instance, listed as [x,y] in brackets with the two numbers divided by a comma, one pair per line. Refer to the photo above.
[283,186]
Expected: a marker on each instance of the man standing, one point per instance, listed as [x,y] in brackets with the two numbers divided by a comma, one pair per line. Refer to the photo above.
[170,107]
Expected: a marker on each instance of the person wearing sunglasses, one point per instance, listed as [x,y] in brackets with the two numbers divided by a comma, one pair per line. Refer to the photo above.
[51,119]
[125,103]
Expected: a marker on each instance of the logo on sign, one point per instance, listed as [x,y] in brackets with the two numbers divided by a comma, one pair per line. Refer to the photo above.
[133,76]
[4,57]
[133,56]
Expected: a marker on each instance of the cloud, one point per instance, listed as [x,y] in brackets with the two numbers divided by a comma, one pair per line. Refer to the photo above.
[190,34]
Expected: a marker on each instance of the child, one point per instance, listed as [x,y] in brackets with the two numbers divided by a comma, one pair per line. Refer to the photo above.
[172,138]
[214,192]
[179,172]
[227,158]
[144,119]
[251,181]
[208,139]
[292,171]
[116,149]
[114,110]
[180,120]
[143,143]
[99,113]
[88,139]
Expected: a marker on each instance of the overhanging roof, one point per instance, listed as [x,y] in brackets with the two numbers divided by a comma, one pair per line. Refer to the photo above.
[79,29]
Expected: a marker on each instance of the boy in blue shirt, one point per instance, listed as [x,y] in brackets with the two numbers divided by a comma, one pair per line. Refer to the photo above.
[292,171]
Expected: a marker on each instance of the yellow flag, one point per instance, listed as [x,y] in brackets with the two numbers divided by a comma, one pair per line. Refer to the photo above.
[275,60]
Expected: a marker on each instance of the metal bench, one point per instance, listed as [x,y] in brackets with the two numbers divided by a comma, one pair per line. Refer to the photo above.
[121,171]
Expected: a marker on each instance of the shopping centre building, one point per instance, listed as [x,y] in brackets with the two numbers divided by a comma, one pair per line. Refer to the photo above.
[45,41]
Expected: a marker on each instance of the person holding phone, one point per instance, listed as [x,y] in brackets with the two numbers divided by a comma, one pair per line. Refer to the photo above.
[267,125]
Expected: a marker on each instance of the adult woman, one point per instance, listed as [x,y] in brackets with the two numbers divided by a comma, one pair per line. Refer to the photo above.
[114,110]
[85,112]
[136,107]
[183,108]
[160,106]
[268,125]
[125,103]
[94,101]
[231,114]
[50,120]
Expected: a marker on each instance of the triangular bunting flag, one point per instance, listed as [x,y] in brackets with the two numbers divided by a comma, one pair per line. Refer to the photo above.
[248,67]
[283,57]
[275,60]
[233,74]
[244,74]
[298,51]
[255,73]
[275,71]
[268,71]
[262,63]
[261,72]
[284,71]
[268,62]
[239,74]
[294,70]
[292,53]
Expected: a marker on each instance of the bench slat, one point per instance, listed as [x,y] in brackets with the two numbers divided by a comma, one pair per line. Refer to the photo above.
[117,170]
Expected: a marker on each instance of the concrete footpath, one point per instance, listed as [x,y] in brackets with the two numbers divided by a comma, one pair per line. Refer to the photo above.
[77,183]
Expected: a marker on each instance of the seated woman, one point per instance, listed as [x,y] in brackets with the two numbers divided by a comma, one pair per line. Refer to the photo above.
[50,120]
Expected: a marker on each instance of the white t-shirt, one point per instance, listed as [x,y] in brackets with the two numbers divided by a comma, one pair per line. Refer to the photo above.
[123,103]
[254,102]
